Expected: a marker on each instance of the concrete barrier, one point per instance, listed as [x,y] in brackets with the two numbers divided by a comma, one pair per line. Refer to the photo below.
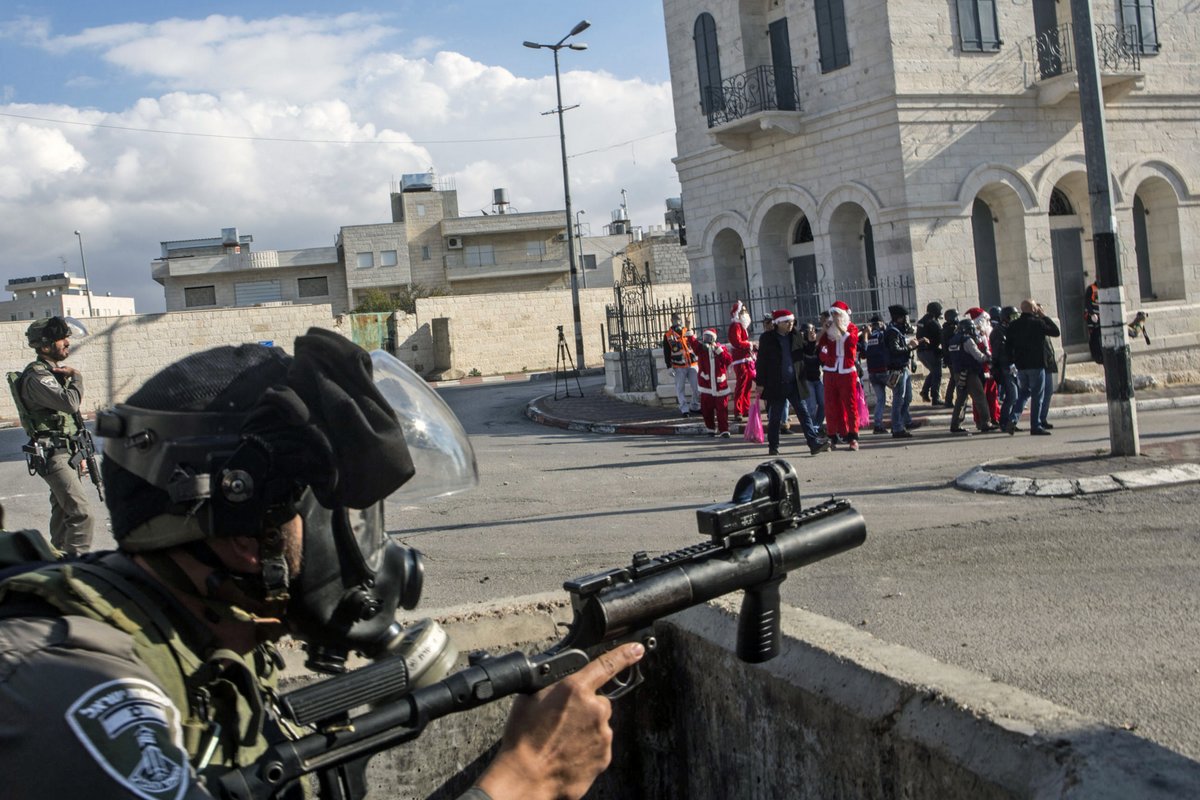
[839,714]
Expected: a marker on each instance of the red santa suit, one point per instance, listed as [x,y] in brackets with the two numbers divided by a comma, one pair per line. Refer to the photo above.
[837,357]
[712,362]
[743,358]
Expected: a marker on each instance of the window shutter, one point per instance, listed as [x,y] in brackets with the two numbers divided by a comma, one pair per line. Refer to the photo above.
[841,45]
[1147,26]
[825,36]
[968,26]
[989,29]
[708,62]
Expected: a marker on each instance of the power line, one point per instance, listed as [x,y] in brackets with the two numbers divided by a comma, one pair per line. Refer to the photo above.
[620,144]
[267,138]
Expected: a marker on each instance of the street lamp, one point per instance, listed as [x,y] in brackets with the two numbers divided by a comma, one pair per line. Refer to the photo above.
[87,287]
[579,236]
[562,137]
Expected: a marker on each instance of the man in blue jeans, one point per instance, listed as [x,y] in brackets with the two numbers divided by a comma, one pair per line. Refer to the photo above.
[874,351]
[899,342]
[779,374]
[1026,345]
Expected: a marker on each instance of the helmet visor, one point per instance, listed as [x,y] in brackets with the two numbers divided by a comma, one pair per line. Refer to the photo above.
[440,449]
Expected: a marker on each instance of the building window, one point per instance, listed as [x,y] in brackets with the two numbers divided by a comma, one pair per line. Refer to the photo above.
[1137,17]
[589,261]
[535,249]
[420,209]
[424,252]
[252,293]
[479,255]
[831,35]
[387,258]
[198,296]
[366,260]
[313,287]
[978,30]
[708,63]
[1060,204]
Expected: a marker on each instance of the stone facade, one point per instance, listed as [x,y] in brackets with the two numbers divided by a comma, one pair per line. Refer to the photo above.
[960,170]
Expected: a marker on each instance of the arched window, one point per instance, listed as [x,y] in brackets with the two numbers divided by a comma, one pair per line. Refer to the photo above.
[803,232]
[708,63]
[1060,205]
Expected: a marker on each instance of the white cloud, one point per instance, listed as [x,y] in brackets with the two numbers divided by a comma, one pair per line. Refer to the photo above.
[325,81]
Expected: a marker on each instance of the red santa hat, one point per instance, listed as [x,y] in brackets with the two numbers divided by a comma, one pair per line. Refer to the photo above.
[709,335]
[976,313]
[782,315]
[839,305]
[736,311]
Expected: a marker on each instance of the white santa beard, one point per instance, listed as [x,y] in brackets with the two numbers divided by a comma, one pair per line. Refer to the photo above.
[743,320]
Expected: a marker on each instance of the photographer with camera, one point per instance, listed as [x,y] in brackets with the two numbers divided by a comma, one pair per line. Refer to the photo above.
[246,492]
[1027,345]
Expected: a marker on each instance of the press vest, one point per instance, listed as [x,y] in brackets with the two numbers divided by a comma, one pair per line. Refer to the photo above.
[677,348]
[877,357]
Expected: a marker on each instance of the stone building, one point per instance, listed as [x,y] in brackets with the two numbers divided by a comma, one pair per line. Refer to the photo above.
[61,294]
[859,140]
[426,244]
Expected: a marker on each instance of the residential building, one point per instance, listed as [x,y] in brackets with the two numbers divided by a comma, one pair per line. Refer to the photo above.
[224,272]
[939,143]
[61,294]
[426,244]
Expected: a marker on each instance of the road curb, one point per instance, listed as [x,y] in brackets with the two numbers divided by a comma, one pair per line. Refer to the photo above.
[982,478]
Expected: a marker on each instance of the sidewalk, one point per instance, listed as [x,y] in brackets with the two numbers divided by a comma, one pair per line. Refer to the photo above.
[1160,464]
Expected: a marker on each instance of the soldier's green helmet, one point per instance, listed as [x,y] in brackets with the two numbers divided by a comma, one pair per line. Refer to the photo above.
[46,330]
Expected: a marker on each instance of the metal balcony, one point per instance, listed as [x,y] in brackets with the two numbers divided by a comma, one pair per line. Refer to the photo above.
[760,99]
[1054,55]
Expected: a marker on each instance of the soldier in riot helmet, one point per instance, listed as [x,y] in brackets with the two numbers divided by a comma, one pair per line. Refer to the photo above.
[246,490]
[47,394]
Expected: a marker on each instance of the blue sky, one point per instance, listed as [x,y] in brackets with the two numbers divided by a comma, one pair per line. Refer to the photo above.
[139,122]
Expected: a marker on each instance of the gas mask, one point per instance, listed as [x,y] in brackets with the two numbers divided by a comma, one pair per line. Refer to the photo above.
[332,445]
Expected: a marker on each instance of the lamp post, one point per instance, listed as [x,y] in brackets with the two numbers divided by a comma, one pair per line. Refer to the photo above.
[579,237]
[87,287]
[562,137]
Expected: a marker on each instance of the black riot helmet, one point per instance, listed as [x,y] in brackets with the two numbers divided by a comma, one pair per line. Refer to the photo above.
[236,441]
[934,309]
[46,331]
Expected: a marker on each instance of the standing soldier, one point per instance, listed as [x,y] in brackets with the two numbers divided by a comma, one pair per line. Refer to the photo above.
[47,395]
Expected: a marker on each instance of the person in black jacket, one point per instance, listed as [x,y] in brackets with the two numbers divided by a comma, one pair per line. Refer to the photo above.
[1002,369]
[812,374]
[1026,348]
[899,341]
[930,353]
[949,327]
[779,374]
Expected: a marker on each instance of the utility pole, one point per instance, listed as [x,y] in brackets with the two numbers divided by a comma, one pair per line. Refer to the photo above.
[1118,374]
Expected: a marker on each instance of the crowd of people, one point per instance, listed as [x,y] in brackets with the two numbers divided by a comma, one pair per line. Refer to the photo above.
[839,380]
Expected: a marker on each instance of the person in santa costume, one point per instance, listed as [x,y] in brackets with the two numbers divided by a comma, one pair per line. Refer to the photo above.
[712,361]
[743,359]
[838,355]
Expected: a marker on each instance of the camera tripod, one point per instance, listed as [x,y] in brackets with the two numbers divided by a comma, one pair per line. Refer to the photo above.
[564,368]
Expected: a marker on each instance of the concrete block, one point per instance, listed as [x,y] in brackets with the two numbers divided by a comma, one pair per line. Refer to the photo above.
[1053,488]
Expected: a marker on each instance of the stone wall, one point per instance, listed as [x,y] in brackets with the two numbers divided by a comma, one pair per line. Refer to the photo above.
[120,353]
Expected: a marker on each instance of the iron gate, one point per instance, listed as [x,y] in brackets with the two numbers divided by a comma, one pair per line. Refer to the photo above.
[633,333]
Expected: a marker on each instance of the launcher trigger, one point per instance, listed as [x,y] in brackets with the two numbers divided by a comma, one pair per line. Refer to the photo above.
[626,681]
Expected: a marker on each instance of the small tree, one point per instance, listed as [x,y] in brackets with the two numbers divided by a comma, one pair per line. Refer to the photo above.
[376,300]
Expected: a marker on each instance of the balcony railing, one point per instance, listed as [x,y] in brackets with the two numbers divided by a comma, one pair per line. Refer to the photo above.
[1115,50]
[764,88]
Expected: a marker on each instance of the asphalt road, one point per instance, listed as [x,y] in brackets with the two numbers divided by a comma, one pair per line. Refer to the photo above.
[1090,602]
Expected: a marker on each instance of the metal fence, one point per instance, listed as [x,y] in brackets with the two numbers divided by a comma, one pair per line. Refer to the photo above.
[636,322]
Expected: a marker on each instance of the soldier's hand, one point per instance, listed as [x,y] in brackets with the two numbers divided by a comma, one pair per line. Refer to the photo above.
[69,372]
[557,741]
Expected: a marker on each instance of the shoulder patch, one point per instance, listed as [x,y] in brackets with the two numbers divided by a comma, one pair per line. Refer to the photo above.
[50,382]
[133,731]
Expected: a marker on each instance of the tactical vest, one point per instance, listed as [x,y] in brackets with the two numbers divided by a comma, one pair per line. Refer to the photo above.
[218,694]
[39,421]
[954,351]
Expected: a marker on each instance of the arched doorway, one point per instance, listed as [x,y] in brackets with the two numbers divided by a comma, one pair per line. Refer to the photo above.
[987,268]
[729,264]
[1156,239]
[803,258]
[1001,255]
[852,248]
[1066,248]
